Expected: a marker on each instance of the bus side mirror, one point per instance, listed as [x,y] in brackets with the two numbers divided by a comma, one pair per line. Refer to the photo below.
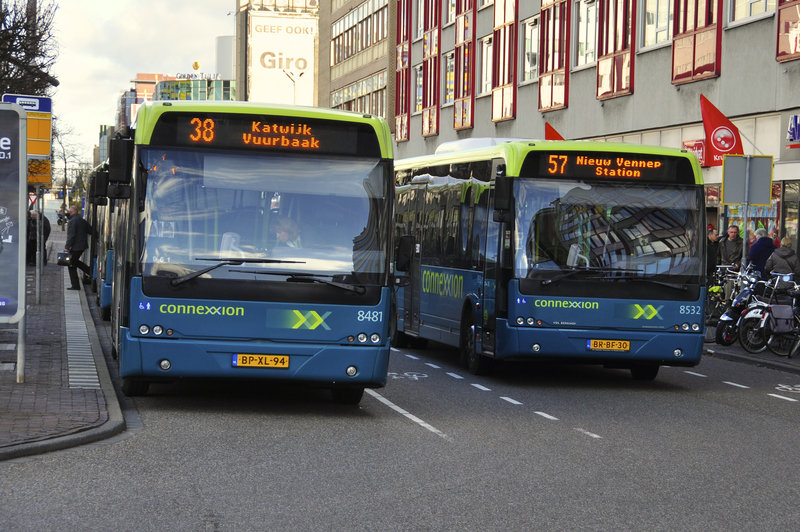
[117,191]
[502,199]
[120,160]
[405,252]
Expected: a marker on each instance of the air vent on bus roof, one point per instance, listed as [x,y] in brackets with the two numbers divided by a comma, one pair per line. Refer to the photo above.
[473,144]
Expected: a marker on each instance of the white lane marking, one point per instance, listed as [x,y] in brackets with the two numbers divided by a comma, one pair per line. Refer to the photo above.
[394,349]
[590,434]
[408,415]
[434,366]
[546,416]
[481,387]
[510,400]
[695,374]
[455,375]
[782,397]
[737,385]
[412,357]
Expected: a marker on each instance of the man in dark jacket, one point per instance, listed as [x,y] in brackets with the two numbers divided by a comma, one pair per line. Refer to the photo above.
[783,260]
[712,252]
[730,248]
[78,231]
[761,250]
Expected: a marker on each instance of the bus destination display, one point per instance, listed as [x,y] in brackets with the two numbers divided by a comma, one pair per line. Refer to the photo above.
[610,166]
[267,133]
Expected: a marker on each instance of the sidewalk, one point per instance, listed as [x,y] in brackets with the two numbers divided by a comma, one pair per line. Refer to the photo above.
[67,397]
[736,353]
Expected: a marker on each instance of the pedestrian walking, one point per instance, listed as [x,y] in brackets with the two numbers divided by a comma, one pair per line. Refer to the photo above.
[761,249]
[78,231]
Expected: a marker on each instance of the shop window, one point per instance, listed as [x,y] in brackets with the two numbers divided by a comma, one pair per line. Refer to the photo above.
[697,42]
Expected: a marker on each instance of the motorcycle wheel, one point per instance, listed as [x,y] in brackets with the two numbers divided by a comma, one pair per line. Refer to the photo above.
[751,335]
[726,333]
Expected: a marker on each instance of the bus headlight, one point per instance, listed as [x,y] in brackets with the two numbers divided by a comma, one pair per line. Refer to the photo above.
[158,330]
[144,329]
[685,326]
[520,320]
[695,327]
[375,338]
[362,338]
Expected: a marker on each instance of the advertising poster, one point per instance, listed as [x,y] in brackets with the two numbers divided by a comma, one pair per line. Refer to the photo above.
[13,193]
[280,62]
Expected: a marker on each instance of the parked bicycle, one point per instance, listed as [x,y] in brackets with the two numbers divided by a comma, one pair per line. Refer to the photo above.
[716,301]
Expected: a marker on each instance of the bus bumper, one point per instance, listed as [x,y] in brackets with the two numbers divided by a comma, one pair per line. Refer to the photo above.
[653,347]
[323,364]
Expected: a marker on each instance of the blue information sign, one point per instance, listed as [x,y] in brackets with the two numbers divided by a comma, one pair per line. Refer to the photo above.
[13,203]
[39,104]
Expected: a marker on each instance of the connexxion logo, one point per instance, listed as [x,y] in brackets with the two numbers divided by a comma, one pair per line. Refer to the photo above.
[201,310]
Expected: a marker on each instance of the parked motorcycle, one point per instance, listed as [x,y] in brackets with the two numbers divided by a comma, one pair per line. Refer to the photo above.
[745,290]
[753,333]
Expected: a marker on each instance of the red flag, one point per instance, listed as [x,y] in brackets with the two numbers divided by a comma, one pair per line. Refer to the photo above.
[722,137]
[550,132]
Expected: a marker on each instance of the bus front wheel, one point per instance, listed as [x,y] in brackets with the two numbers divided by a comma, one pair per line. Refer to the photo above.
[134,387]
[474,361]
[347,396]
[644,372]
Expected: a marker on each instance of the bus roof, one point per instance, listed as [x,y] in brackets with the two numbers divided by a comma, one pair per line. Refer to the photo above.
[513,152]
[149,113]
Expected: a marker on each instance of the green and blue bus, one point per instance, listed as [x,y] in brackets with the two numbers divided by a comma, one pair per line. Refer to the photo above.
[207,284]
[553,250]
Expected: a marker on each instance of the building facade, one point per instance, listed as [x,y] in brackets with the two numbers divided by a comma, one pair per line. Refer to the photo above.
[357,56]
[615,70]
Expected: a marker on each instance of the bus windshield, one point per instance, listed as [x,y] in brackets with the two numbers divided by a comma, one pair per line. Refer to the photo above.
[300,214]
[607,230]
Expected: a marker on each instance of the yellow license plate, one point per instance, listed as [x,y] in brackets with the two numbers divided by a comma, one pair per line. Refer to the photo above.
[608,345]
[245,360]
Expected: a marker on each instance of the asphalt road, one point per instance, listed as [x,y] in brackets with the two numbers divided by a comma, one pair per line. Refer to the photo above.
[530,447]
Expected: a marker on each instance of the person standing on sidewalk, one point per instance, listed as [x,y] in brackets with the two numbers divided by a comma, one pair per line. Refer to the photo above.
[783,260]
[78,231]
[730,248]
[761,250]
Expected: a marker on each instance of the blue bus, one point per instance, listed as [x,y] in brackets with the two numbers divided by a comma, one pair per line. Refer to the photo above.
[553,250]
[252,241]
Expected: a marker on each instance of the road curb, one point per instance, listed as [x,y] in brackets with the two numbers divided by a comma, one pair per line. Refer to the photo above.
[115,423]
[753,360]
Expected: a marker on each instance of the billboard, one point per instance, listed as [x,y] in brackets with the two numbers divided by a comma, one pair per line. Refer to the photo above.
[281,58]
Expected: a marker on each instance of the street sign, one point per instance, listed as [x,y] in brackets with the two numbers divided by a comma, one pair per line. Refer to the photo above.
[40,132]
[13,212]
[747,179]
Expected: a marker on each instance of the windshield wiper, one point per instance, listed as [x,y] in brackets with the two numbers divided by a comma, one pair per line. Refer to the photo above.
[564,275]
[301,277]
[224,262]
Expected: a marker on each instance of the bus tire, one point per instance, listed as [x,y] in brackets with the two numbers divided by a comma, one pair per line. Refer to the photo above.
[399,339]
[644,372]
[347,396]
[105,313]
[474,361]
[134,387]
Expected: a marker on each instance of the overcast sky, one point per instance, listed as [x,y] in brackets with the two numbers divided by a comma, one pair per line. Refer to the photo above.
[103,44]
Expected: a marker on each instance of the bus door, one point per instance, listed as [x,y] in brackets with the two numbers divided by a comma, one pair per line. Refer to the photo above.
[411,301]
[489,294]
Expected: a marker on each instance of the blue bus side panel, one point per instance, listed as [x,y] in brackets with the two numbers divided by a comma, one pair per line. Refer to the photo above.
[653,327]
[207,334]
[443,292]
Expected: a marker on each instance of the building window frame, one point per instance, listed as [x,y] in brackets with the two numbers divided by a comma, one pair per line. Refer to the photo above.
[486,74]
[554,54]
[586,33]
[616,48]
[504,61]
[431,67]
[529,67]
[747,10]
[402,98]
[787,47]
[656,23]
[697,40]
[465,43]
[449,84]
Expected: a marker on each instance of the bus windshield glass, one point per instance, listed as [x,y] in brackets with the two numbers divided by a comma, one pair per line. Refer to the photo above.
[608,230]
[279,213]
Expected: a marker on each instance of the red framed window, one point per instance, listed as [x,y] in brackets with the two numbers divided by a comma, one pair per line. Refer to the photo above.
[554,53]
[402,75]
[788,47]
[697,40]
[504,49]
[615,48]
[431,68]
[464,102]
